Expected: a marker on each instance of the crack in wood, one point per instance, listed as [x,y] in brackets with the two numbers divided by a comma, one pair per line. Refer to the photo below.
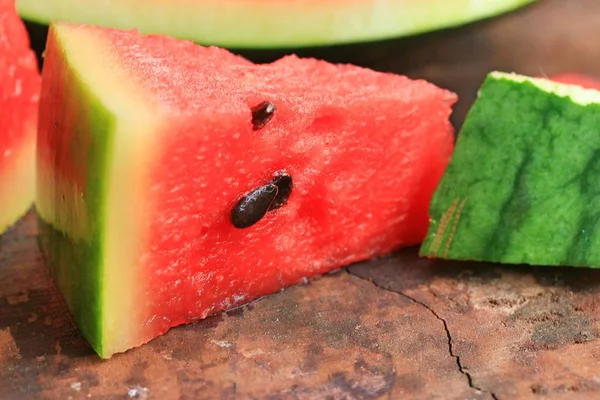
[451,351]
[392,382]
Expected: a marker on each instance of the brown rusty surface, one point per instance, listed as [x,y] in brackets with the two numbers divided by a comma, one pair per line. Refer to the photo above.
[517,332]
[395,328]
[337,336]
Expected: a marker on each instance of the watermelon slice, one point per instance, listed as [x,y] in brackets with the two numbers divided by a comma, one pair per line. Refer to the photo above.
[19,96]
[270,23]
[176,180]
[521,186]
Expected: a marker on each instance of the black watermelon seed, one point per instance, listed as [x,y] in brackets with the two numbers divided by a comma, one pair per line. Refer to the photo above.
[253,206]
[261,114]
[284,184]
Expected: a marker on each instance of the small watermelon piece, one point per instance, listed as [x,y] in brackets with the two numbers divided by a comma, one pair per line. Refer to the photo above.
[176,180]
[19,96]
[577,79]
[521,185]
[270,23]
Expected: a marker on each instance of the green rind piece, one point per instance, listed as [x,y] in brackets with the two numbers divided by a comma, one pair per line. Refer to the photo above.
[271,24]
[75,257]
[521,187]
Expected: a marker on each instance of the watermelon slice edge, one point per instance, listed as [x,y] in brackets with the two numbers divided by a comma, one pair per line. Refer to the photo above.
[19,95]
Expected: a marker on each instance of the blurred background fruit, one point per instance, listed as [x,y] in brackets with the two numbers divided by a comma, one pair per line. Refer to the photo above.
[270,23]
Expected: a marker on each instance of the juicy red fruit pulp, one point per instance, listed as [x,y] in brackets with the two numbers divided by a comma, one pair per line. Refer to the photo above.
[19,83]
[346,204]
[582,80]
[364,151]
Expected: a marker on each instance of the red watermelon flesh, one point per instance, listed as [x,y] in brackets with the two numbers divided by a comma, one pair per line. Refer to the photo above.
[19,95]
[577,79]
[146,145]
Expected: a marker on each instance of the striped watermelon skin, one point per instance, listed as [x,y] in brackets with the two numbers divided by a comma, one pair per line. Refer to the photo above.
[19,96]
[520,186]
[147,145]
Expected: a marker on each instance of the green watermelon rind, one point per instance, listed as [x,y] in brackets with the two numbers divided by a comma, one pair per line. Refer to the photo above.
[519,188]
[270,25]
[77,231]
[75,259]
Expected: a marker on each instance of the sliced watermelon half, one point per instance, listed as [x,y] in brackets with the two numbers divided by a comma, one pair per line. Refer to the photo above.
[270,23]
[176,180]
[19,96]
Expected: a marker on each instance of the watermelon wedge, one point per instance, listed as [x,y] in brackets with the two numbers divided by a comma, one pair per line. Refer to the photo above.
[270,23]
[19,96]
[175,181]
[521,186]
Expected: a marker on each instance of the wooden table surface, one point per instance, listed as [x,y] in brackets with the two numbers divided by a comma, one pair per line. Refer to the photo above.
[395,328]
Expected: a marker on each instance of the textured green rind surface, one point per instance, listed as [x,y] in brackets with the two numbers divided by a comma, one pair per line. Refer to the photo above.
[522,185]
[271,24]
[76,261]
